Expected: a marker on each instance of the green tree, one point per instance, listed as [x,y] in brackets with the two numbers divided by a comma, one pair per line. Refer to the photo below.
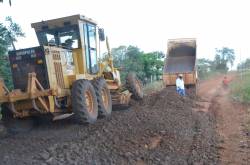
[8,35]
[204,67]
[14,31]
[119,55]
[223,57]
[132,59]
[244,65]
[153,64]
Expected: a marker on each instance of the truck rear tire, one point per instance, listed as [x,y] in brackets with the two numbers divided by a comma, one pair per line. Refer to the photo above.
[134,85]
[84,101]
[103,97]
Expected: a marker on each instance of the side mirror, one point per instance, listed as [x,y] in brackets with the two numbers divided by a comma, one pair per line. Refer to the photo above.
[101,34]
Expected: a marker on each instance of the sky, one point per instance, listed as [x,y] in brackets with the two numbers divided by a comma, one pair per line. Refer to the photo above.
[147,24]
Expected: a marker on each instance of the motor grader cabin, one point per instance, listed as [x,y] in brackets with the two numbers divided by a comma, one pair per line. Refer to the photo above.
[64,76]
[181,59]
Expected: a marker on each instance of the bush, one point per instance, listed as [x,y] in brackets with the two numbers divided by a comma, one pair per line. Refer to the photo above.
[240,88]
[153,87]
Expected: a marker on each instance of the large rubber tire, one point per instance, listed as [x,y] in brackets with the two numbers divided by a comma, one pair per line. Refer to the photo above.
[103,97]
[84,101]
[134,85]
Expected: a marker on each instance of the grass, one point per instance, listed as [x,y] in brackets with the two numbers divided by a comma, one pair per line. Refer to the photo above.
[240,88]
[248,125]
[154,86]
[208,75]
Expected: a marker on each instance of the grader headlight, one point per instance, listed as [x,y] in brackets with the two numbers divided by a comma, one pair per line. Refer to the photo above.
[40,61]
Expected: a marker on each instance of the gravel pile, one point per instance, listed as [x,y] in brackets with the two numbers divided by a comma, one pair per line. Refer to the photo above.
[161,129]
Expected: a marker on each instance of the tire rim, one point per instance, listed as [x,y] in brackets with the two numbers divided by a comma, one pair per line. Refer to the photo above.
[105,99]
[89,101]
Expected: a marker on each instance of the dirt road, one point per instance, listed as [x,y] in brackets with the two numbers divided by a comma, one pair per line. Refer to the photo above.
[231,117]
[164,129]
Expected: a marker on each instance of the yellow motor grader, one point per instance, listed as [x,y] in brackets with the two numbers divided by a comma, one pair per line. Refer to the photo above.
[64,76]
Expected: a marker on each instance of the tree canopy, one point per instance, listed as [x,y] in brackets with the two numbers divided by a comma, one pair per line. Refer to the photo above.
[132,59]
[204,67]
[244,65]
[223,57]
[8,35]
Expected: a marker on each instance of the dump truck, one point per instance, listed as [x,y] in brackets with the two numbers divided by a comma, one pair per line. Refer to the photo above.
[64,75]
[180,59]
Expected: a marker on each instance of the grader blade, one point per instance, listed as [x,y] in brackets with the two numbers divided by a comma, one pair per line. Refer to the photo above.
[63,116]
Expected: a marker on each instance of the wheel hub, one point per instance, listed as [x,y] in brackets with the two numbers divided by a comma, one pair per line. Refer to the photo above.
[105,98]
[138,86]
[89,101]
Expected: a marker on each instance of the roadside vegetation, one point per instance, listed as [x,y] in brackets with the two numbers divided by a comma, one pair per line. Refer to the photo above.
[147,66]
[154,86]
[9,32]
[224,58]
[240,89]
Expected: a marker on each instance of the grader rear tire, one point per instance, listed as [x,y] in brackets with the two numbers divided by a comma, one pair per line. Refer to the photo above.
[103,97]
[84,102]
[134,85]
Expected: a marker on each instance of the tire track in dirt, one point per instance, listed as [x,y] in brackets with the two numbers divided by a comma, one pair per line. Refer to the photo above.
[230,117]
[158,130]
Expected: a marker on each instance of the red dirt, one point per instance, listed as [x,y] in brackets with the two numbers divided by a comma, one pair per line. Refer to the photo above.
[230,118]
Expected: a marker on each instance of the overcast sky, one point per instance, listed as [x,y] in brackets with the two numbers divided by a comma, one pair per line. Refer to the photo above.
[147,24]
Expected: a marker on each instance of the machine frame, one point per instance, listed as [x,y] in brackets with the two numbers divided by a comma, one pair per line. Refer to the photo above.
[56,97]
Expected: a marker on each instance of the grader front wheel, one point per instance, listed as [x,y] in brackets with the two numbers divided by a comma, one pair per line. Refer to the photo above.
[84,102]
[134,85]
[103,97]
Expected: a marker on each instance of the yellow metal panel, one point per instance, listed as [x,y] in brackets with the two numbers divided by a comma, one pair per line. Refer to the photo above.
[190,78]
[59,22]
[51,104]
[71,79]
[50,67]
[170,78]
[57,66]
[78,61]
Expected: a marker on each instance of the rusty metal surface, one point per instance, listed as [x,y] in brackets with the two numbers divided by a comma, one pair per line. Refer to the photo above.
[181,56]
[26,61]
[180,64]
